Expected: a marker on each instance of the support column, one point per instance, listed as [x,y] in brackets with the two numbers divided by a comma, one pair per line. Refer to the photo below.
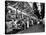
[27,24]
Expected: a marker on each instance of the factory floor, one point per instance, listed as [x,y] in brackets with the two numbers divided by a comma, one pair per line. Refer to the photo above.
[34,29]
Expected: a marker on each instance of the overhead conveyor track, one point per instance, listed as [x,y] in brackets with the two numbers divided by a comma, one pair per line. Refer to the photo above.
[30,15]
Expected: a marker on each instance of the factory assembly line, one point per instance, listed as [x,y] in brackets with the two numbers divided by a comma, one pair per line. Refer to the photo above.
[20,18]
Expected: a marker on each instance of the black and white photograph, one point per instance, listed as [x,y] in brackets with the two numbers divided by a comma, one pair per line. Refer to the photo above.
[24,17]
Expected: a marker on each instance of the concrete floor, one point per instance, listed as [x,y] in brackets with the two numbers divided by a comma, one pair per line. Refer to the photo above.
[34,29]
